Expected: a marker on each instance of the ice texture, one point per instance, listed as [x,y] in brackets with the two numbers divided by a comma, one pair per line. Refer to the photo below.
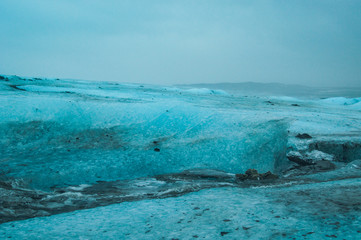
[70,144]
[66,132]
[56,133]
[296,211]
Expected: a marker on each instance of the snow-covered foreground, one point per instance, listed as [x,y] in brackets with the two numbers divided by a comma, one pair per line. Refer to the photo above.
[152,162]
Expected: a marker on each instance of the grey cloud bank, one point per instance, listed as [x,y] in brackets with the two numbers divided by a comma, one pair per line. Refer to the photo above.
[314,43]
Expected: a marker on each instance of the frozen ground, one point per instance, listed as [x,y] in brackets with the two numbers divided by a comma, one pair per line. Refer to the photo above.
[298,212]
[136,156]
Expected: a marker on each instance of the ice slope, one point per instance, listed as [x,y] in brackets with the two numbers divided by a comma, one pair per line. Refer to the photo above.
[57,133]
[283,212]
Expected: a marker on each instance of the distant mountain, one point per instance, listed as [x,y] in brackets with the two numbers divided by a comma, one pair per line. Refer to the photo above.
[277,89]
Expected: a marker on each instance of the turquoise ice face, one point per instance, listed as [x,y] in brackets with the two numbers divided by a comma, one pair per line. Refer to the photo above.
[56,133]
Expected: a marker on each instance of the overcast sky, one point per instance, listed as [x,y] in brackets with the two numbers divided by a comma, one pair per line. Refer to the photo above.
[315,42]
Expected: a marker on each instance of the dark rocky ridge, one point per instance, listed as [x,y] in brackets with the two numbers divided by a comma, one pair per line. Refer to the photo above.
[303,136]
[252,174]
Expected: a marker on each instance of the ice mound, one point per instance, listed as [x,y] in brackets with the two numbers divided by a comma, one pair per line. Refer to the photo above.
[57,133]
[342,101]
[65,132]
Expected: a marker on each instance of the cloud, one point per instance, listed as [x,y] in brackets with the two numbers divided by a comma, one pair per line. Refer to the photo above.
[171,42]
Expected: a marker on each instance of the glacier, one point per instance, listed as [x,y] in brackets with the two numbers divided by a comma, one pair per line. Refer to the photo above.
[123,157]
[76,134]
